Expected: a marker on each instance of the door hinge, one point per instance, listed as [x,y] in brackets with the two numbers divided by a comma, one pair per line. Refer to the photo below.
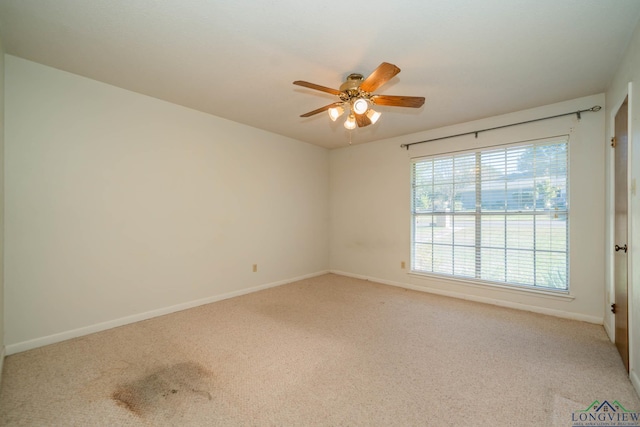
[614,142]
[613,308]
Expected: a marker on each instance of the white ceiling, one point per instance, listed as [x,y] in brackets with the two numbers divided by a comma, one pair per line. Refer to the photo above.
[238,59]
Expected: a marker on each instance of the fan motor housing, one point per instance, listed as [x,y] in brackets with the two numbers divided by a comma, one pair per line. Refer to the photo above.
[353,82]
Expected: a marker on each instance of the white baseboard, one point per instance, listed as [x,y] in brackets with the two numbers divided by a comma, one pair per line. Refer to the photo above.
[525,307]
[635,380]
[86,330]
[607,328]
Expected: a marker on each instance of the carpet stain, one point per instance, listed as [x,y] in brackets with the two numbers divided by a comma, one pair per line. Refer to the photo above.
[165,391]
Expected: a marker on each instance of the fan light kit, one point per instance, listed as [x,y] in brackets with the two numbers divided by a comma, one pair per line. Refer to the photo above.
[335,112]
[360,106]
[350,123]
[355,95]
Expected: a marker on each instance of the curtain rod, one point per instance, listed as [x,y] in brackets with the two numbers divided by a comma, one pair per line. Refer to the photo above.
[476,132]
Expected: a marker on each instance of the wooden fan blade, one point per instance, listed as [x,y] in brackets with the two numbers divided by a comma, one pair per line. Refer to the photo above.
[317,87]
[362,120]
[321,109]
[380,76]
[398,101]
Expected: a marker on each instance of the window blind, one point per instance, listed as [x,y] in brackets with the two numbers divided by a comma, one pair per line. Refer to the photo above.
[498,214]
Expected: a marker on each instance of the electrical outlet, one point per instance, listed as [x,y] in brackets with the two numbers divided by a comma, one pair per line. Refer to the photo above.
[255,267]
[402,265]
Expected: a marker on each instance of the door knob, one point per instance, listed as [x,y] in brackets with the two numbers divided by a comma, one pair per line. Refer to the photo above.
[622,248]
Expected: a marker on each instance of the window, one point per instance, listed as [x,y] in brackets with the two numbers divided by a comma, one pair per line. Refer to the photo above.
[497,215]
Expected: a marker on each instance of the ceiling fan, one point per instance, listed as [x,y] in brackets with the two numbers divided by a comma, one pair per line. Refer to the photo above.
[356,95]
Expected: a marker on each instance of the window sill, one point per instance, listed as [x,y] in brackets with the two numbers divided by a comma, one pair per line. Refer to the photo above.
[558,295]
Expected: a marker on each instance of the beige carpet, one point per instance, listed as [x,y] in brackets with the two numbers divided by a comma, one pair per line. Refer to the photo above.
[324,351]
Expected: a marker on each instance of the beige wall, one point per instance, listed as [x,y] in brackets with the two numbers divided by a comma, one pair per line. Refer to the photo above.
[371,220]
[121,207]
[628,72]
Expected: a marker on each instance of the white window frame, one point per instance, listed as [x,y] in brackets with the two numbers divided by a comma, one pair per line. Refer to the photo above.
[478,214]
